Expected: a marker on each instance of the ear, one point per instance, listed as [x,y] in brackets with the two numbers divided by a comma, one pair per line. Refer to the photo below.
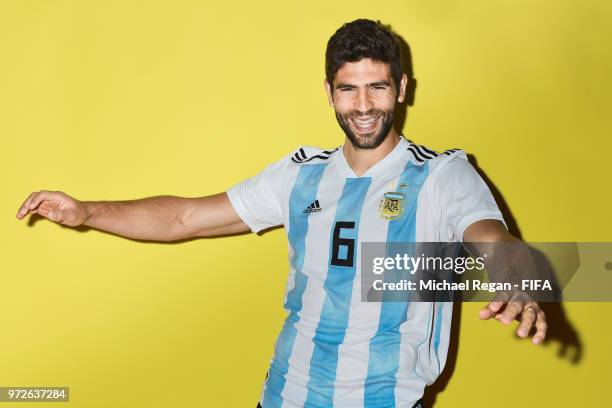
[328,91]
[402,91]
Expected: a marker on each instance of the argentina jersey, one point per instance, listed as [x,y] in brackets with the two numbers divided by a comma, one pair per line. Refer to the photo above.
[335,350]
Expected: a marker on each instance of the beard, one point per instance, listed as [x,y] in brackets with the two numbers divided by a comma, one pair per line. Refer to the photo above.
[366,140]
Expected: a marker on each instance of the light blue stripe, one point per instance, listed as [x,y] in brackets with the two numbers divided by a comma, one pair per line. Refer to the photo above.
[437,327]
[338,291]
[383,359]
[303,193]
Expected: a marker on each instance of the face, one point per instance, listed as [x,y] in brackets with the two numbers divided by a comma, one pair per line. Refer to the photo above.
[364,97]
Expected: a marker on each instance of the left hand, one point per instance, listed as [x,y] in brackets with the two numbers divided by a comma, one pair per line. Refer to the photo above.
[527,312]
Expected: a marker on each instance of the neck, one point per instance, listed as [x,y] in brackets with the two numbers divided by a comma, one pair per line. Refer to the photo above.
[360,160]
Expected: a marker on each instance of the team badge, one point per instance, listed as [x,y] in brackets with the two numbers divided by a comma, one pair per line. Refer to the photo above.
[391,205]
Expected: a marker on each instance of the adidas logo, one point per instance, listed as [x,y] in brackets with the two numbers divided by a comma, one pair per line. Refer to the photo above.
[314,207]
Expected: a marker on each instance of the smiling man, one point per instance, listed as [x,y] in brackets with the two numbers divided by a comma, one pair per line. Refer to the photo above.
[335,350]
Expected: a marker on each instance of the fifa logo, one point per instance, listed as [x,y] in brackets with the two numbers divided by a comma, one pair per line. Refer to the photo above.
[391,205]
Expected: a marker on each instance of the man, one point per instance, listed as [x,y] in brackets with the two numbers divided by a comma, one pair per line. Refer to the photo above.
[334,349]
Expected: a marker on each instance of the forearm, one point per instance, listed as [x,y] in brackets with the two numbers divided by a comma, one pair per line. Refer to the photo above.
[153,218]
[506,258]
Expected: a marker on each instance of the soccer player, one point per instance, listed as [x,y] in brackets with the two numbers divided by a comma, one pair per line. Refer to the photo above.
[335,349]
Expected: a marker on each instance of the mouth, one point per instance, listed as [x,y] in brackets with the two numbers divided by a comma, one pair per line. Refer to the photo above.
[365,125]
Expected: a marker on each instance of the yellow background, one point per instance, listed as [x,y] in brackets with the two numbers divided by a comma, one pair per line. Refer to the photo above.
[127,99]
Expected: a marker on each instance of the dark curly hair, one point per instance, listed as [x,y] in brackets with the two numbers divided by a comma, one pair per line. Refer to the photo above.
[360,39]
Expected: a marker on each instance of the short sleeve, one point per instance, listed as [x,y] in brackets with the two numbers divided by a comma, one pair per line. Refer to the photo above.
[257,199]
[464,197]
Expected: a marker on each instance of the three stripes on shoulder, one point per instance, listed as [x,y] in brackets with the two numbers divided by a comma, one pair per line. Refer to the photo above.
[421,153]
[301,157]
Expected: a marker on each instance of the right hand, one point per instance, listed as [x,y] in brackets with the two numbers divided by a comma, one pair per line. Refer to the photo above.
[55,206]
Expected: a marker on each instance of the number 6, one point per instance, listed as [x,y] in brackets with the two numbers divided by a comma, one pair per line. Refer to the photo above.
[349,243]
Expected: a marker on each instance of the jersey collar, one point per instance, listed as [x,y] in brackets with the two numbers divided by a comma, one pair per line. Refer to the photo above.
[386,162]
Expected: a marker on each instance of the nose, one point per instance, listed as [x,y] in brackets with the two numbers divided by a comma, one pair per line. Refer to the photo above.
[364,101]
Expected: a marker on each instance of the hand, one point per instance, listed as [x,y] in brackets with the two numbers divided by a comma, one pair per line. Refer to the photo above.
[55,206]
[521,308]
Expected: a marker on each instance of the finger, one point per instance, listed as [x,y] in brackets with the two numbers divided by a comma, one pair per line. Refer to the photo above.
[512,310]
[35,201]
[48,205]
[39,198]
[50,211]
[490,310]
[541,328]
[502,299]
[528,317]
[23,209]
[494,306]
[47,213]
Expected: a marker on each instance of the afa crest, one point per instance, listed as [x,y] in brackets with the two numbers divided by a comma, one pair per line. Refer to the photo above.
[391,205]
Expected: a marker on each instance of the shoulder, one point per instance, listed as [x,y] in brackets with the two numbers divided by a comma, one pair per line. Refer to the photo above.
[448,169]
[311,155]
[303,155]
[441,163]
[420,155]
[449,172]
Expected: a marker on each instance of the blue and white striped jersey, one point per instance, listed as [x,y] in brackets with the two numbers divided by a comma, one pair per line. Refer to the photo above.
[335,350]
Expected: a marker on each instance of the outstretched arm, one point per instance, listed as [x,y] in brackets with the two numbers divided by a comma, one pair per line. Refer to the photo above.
[160,218]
